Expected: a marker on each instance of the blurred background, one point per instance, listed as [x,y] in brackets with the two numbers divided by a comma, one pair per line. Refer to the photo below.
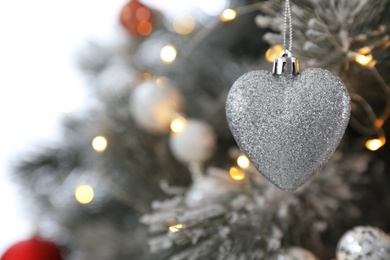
[41,81]
[39,41]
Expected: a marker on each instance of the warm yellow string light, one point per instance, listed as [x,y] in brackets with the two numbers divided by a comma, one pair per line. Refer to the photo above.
[236,173]
[228,15]
[363,60]
[178,124]
[243,161]
[375,144]
[365,50]
[99,143]
[168,54]
[364,57]
[176,228]
[274,52]
[84,193]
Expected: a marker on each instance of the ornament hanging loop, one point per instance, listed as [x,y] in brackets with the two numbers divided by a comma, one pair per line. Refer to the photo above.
[286,63]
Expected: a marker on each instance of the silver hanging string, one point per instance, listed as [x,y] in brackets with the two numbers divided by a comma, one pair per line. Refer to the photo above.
[287,19]
[286,63]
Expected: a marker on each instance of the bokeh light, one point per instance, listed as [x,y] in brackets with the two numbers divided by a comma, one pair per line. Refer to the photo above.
[375,144]
[243,161]
[363,60]
[99,143]
[228,15]
[365,50]
[143,14]
[236,173]
[176,228]
[273,52]
[168,53]
[364,57]
[178,124]
[84,193]
[144,28]
[184,24]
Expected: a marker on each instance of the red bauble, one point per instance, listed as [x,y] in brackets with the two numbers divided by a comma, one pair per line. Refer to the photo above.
[33,249]
[136,18]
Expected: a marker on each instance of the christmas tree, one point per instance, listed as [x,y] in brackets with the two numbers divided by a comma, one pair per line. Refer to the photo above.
[153,171]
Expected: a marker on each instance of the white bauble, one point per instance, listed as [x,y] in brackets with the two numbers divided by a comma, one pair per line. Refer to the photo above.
[364,243]
[195,143]
[298,253]
[153,106]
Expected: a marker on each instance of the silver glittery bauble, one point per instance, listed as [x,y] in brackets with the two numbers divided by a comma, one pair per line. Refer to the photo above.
[287,125]
[195,144]
[153,106]
[364,243]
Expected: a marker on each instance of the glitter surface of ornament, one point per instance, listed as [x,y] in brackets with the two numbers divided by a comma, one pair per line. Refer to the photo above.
[287,125]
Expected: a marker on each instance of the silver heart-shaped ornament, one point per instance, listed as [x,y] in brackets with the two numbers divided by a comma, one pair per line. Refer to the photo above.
[288,123]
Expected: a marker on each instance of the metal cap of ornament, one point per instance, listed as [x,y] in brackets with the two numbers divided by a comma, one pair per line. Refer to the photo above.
[286,63]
